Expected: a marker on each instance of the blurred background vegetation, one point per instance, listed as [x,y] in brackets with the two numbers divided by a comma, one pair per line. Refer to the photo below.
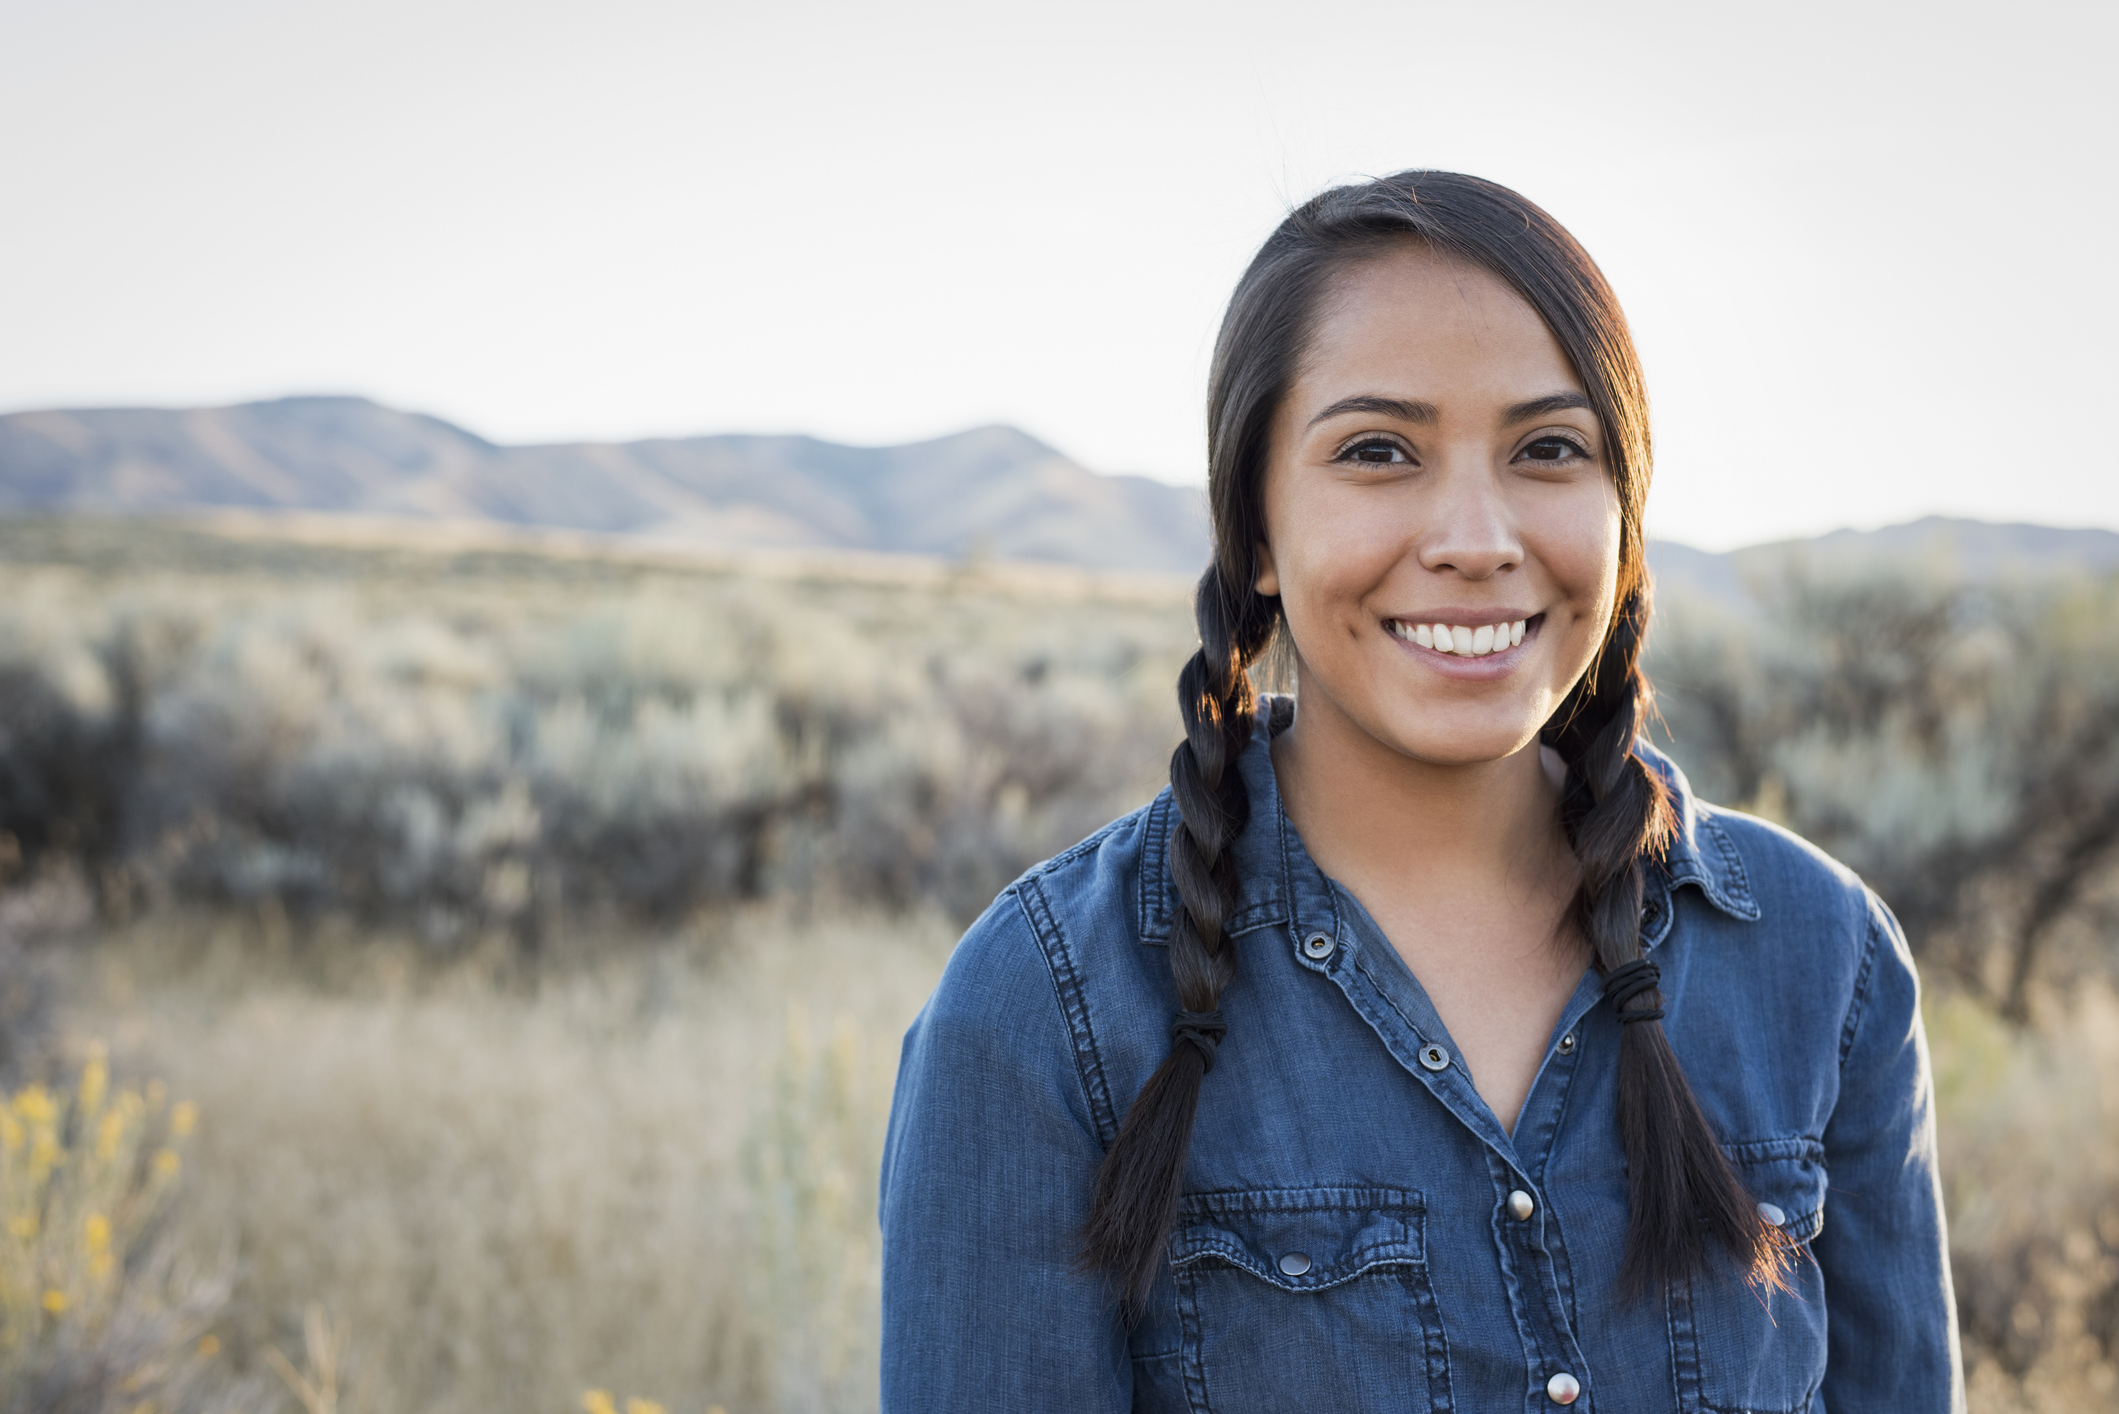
[533,932]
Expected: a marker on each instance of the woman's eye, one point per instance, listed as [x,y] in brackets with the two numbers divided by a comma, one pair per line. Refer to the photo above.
[1378,452]
[1554,449]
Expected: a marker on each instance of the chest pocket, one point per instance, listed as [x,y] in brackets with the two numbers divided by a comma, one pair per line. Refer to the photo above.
[1308,1298]
[1741,1350]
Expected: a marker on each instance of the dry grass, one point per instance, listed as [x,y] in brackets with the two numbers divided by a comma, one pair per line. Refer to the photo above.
[2030,1150]
[656,1175]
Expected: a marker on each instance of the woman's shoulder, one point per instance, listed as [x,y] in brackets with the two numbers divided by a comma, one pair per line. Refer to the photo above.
[1759,872]
[1102,894]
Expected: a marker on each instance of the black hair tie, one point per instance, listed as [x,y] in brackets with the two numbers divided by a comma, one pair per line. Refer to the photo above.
[1201,1030]
[1629,980]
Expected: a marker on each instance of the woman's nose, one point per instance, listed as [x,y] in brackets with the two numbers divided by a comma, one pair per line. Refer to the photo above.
[1468,529]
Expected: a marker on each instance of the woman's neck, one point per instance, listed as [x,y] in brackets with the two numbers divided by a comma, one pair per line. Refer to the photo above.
[1368,812]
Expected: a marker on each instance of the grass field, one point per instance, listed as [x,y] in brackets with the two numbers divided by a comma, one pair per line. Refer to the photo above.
[533,927]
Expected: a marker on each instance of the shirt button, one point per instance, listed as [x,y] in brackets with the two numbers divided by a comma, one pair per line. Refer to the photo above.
[1520,1206]
[1317,947]
[1563,1388]
[1774,1216]
[1567,1044]
[1434,1058]
[1294,1264]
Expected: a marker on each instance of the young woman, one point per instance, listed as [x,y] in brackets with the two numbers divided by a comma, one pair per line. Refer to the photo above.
[1426,1045]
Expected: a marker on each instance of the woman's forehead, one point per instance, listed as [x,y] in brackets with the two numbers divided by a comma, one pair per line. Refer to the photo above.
[1429,325]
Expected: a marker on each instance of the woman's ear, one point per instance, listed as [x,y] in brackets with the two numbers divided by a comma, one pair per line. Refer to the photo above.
[1267,582]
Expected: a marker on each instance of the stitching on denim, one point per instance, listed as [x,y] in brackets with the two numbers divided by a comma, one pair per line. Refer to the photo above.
[1074,1010]
[1441,1398]
[1154,862]
[1361,966]
[1800,1147]
[1192,1363]
[1741,900]
[1301,1200]
[1284,836]
[1684,1348]
[1859,1005]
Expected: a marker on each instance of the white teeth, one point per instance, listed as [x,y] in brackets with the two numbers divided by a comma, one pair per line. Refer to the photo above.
[1462,641]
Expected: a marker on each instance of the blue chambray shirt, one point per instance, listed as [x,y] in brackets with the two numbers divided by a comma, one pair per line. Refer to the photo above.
[1346,1241]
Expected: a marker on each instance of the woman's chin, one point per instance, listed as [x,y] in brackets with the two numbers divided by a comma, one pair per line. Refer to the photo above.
[1441,743]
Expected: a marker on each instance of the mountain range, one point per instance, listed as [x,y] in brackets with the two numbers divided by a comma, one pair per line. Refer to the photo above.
[991,492]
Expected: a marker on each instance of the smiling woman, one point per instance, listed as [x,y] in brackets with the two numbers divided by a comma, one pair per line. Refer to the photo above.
[1427,1045]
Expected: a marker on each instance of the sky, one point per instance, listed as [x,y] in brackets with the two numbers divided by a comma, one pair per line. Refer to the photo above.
[1866,249]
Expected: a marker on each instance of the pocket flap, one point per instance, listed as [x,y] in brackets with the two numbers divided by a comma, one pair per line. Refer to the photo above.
[1786,1178]
[1301,1239]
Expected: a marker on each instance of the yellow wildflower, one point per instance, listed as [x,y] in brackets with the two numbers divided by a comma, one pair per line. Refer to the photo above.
[34,1103]
[55,1301]
[109,1133]
[97,1231]
[209,1345]
[643,1406]
[183,1118]
[10,1131]
[167,1163]
[598,1401]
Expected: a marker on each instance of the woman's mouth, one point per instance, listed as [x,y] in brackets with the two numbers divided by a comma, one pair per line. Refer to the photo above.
[1464,642]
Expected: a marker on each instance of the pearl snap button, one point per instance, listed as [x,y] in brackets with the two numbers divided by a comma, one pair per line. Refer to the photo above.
[1317,947]
[1563,1388]
[1520,1206]
[1567,1044]
[1294,1264]
[1434,1058]
[1774,1216]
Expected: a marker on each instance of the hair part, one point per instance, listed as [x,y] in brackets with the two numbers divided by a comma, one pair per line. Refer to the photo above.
[1684,1196]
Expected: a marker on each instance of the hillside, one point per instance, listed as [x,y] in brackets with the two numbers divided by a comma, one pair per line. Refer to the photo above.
[991,491]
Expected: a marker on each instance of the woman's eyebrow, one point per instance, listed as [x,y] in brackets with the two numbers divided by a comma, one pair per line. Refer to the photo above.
[1551,402]
[1403,409]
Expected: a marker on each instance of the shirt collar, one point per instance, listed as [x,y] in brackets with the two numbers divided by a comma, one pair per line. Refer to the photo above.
[1281,885]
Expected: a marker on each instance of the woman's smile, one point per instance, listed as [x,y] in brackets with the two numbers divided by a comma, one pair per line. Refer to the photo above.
[1467,645]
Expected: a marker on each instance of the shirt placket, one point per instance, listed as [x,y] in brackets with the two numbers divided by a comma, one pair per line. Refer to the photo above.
[1528,1240]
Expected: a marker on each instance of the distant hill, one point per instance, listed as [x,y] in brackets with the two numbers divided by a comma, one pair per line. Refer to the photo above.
[992,491]
[1970,549]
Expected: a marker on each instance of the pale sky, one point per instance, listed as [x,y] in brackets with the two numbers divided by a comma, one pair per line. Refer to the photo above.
[1867,249]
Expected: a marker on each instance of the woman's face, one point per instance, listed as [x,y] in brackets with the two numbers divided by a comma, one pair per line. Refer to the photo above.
[1442,524]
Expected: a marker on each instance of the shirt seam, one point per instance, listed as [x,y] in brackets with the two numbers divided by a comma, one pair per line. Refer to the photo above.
[1858,1006]
[1073,1009]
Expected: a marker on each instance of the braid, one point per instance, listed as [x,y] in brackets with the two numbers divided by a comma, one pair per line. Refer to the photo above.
[1683,1192]
[1138,1184]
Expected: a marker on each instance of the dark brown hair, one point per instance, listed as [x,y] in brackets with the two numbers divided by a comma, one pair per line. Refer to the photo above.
[1685,1196]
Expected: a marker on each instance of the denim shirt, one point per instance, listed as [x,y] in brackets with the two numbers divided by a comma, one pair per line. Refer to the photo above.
[1346,1240]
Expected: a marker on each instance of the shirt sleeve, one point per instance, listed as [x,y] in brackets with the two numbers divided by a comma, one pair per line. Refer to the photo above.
[987,1172]
[1884,1252]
